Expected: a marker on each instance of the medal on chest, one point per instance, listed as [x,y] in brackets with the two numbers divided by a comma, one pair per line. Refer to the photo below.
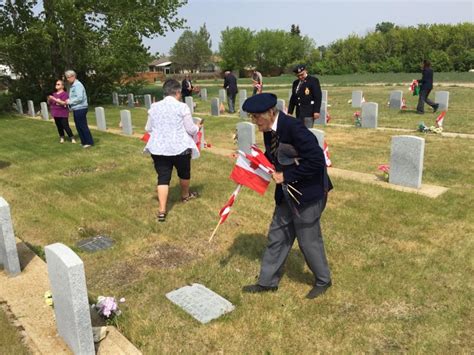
[306,91]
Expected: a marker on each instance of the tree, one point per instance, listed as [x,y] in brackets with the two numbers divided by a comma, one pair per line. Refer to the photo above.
[295,30]
[237,48]
[100,39]
[384,27]
[192,50]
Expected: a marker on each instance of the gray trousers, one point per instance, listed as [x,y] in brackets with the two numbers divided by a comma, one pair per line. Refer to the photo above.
[424,98]
[285,226]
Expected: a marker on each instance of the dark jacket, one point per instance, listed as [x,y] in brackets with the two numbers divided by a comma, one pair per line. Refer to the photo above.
[230,84]
[426,81]
[310,176]
[307,99]
[186,88]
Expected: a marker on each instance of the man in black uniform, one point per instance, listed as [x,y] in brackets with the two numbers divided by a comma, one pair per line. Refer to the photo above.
[306,96]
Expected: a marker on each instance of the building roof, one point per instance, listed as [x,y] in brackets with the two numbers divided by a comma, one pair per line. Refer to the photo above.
[162,62]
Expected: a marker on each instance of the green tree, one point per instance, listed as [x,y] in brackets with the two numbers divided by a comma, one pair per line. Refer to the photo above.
[237,48]
[384,27]
[100,39]
[192,50]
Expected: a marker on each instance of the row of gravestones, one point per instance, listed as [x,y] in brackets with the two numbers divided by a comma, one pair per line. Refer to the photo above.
[68,285]
[406,157]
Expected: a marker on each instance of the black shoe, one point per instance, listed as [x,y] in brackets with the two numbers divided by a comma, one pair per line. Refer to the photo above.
[317,291]
[435,108]
[420,112]
[258,288]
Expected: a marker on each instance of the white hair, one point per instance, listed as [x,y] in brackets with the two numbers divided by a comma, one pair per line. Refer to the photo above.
[69,73]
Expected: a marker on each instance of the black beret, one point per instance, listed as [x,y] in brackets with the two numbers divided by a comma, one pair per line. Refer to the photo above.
[259,103]
[299,68]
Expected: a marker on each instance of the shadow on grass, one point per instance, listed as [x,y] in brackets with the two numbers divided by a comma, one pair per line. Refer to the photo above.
[252,246]
[174,195]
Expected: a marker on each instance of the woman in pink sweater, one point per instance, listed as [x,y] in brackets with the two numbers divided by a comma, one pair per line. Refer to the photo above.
[60,111]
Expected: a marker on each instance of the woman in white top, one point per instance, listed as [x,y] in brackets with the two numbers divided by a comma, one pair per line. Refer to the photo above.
[171,143]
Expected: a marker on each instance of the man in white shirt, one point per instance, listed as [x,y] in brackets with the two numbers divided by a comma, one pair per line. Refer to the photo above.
[171,143]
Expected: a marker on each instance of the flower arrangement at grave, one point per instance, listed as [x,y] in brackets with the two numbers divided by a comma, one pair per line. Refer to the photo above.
[108,308]
[385,169]
[432,129]
[48,298]
[357,121]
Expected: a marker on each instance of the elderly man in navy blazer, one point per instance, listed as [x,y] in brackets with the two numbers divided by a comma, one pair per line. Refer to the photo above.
[301,191]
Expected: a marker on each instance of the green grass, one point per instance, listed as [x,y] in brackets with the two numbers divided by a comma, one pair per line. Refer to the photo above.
[401,263]
[10,340]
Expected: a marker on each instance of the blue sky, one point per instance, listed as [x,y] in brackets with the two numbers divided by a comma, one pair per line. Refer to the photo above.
[324,21]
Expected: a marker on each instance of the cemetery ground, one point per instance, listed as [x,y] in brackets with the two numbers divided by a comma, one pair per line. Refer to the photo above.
[401,263]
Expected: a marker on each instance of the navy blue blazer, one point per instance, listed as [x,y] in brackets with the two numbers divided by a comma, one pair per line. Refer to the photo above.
[426,80]
[310,176]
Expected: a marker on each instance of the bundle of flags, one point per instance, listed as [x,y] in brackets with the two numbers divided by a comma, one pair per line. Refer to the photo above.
[414,87]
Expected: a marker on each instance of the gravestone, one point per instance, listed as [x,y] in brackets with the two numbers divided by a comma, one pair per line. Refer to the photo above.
[222,95]
[200,302]
[324,96]
[100,119]
[71,306]
[204,94]
[131,100]
[442,98]
[245,136]
[31,108]
[322,114]
[126,120]
[44,111]
[115,99]
[8,252]
[215,107]
[369,115]
[290,93]
[147,101]
[356,98]
[93,244]
[406,161]
[396,99]
[319,135]
[190,102]
[197,121]
[19,106]
[281,105]
[242,98]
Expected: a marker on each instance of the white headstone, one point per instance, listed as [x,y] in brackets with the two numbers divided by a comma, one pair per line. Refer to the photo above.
[406,161]
[442,98]
[324,96]
[322,114]
[369,115]
[131,100]
[100,119]
[19,106]
[281,105]
[31,108]
[147,101]
[242,98]
[356,98]
[8,252]
[222,95]
[203,93]
[215,107]
[44,111]
[319,135]
[115,99]
[190,102]
[197,121]
[71,306]
[126,120]
[290,92]
[396,99]
[245,136]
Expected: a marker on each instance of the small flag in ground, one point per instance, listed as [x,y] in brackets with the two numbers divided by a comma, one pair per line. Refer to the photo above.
[328,117]
[326,154]
[146,137]
[404,103]
[199,140]
[225,211]
[440,119]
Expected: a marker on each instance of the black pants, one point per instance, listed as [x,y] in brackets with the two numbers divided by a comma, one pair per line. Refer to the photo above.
[424,98]
[80,119]
[164,167]
[62,124]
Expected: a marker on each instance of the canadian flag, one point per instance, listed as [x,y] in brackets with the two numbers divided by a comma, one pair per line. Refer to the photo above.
[225,211]
[199,140]
[328,117]
[404,104]
[145,137]
[440,119]
[252,171]
[326,154]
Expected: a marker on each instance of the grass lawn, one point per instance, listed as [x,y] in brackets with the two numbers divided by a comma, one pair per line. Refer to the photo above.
[10,341]
[401,263]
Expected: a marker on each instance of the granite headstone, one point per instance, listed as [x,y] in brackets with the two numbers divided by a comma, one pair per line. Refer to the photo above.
[126,120]
[147,98]
[115,99]
[31,108]
[357,99]
[190,102]
[319,135]
[215,107]
[100,119]
[396,99]
[406,161]
[245,136]
[203,93]
[131,100]
[19,106]
[44,111]
[369,115]
[442,98]
[322,114]
[242,98]
[8,251]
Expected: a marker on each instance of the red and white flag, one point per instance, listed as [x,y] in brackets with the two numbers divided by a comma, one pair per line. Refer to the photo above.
[404,103]
[225,211]
[326,154]
[251,173]
[199,140]
[440,119]
[328,117]
[145,137]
